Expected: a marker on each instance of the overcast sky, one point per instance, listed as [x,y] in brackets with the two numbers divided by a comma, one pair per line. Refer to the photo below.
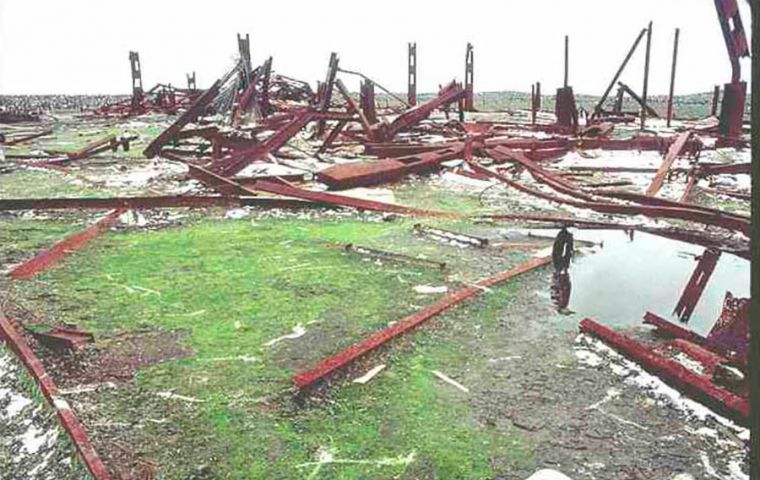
[81,46]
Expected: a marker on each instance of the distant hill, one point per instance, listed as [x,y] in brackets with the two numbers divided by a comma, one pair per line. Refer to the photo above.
[685,106]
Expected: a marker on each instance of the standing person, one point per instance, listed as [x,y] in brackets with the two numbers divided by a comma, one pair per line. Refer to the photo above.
[562,251]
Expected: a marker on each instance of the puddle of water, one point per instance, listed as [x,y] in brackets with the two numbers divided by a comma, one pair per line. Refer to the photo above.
[619,282]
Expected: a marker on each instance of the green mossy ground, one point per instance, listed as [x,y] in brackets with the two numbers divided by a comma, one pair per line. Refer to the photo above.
[237,285]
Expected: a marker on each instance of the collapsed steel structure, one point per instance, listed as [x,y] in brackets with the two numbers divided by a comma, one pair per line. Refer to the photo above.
[251,113]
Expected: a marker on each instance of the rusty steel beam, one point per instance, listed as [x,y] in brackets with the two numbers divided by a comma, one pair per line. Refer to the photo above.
[600,104]
[440,233]
[469,79]
[323,103]
[672,330]
[66,416]
[392,256]
[567,61]
[128,203]
[367,100]
[673,75]
[722,219]
[640,100]
[221,184]
[733,34]
[696,285]
[49,257]
[502,153]
[718,169]
[345,357]
[332,136]
[645,88]
[453,92]
[350,175]
[342,200]
[714,104]
[699,387]
[10,141]
[188,116]
[354,108]
[237,161]
[411,91]
[674,151]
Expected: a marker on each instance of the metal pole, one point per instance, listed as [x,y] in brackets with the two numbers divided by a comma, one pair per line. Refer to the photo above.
[567,56]
[411,92]
[673,76]
[646,78]
[599,105]
[716,95]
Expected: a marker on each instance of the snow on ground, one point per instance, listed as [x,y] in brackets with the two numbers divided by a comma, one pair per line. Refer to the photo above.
[30,443]
[632,374]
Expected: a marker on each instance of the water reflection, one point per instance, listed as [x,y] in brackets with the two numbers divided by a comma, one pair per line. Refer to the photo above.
[630,275]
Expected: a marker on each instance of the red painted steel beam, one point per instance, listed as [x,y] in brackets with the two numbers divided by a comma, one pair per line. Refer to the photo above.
[696,285]
[350,175]
[188,116]
[673,330]
[25,138]
[342,200]
[340,360]
[664,202]
[674,151]
[237,161]
[699,387]
[707,358]
[451,93]
[48,258]
[87,149]
[731,169]
[539,173]
[354,108]
[63,410]
[147,203]
[690,214]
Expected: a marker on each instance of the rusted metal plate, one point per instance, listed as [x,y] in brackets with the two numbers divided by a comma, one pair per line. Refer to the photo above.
[349,175]
[731,331]
[357,174]
[64,338]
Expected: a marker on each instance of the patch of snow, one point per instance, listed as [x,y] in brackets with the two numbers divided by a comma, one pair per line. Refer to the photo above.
[384,195]
[369,375]
[237,213]
[639,377]
[548,474]
[178,397]
[133,218]
[689,363]
[503,359]
[450,381]
[588,358]
[35,438]
[16,402]
[298,331]
[429,289]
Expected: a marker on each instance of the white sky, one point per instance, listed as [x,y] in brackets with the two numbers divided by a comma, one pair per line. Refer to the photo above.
[81,46]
